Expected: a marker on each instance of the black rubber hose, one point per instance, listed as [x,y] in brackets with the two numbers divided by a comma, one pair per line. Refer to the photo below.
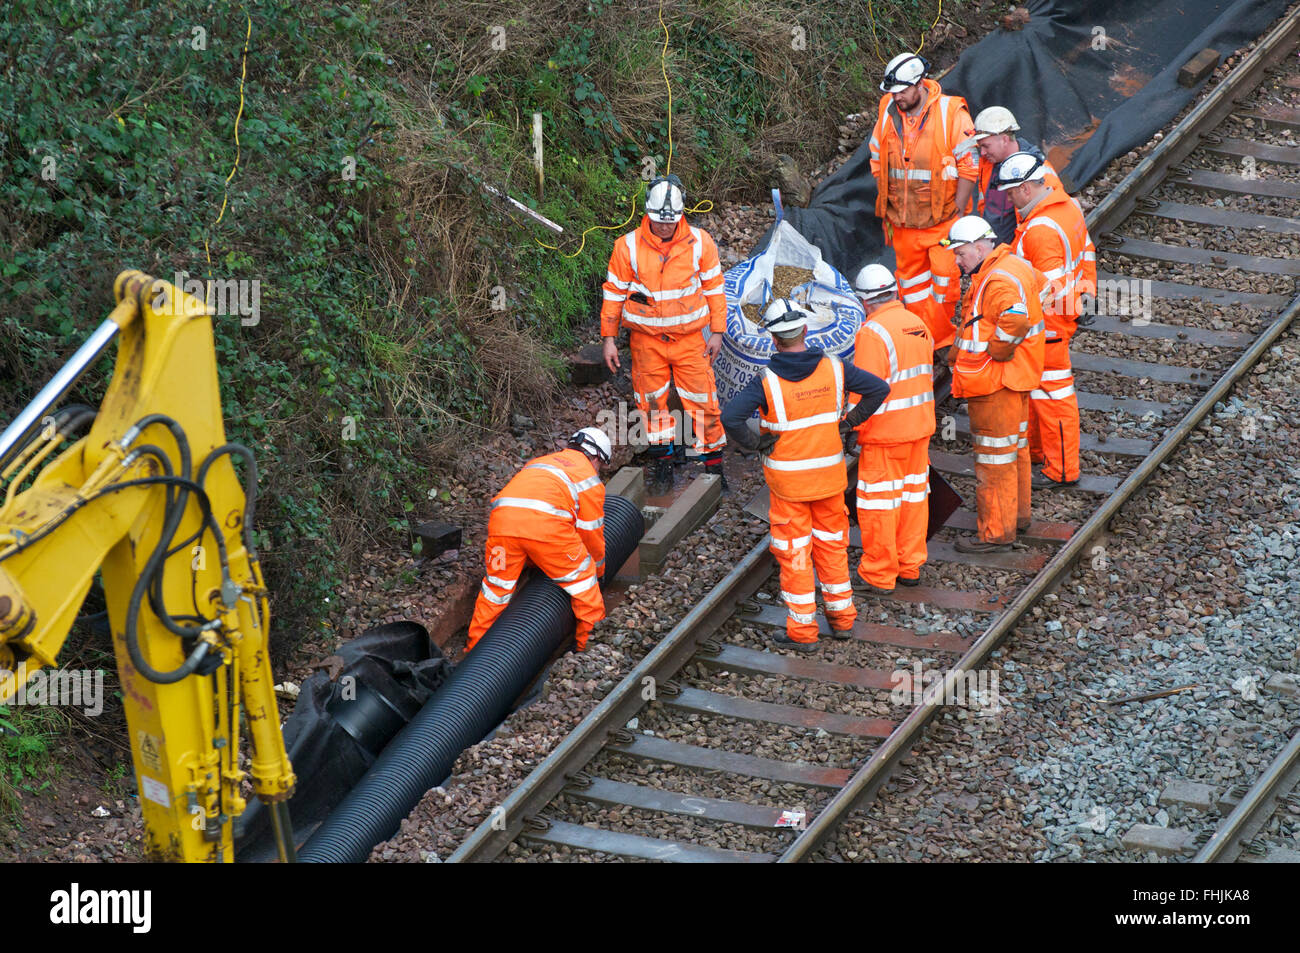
[474,700]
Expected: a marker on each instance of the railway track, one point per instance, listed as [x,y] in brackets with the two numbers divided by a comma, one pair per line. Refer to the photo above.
[1235,838]
[712,749]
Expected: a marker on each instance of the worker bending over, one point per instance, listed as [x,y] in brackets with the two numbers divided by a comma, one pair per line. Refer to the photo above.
[665,283]
[550,515]
[996,361]
[995,133]
[1053,237]
[894,459]
[800,397]
[924,160]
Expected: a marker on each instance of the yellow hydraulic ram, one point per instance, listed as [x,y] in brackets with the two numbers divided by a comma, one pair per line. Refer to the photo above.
[151,500]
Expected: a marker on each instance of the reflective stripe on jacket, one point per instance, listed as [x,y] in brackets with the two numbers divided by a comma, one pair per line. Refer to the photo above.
[895,345]
[917,161]
[1054,239]
[681,280]
[1001,343]
[548,496]
[807,462]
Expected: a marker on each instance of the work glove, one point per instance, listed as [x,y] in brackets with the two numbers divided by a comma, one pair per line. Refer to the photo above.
[848,436]
[763,446]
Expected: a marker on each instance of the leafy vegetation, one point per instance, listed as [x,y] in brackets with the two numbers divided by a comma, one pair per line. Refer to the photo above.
[398,296]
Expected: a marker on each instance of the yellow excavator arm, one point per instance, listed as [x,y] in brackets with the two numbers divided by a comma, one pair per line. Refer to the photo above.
[150,498]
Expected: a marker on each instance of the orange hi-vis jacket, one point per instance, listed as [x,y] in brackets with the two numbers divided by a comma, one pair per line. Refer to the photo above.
[550,495]
[807,462]
[1054,239]
[1001,343]
[895,345]
[918,159]
[681,278]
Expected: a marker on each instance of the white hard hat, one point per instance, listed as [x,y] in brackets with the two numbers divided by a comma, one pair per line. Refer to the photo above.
[1018,168]
[874,281]
[994,121]
[783,317]
[664,200]
[904,70]
[967,229]
[594,441]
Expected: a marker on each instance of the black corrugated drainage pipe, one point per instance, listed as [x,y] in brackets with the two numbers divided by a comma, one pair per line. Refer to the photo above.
[474,700]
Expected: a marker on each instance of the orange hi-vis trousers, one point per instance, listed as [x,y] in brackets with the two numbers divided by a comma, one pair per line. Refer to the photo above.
[893,510]
[998,423]
[925,271]
[807,536]
[1054,416]
[565,561]
[661,361]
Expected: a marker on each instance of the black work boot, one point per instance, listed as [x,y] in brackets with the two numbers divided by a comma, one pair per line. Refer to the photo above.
[661,475]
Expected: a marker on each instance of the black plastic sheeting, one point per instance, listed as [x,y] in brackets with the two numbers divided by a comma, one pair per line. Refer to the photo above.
[475,699]
[339,727]
[1089,81]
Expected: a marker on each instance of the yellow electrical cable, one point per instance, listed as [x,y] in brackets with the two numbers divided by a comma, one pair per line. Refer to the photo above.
[225,196]
[663,68]
[932,26]
[622,224]
[702,209]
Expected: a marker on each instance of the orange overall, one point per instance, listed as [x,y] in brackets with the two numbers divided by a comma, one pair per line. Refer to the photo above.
[894,462]
[1053,237]
[807,479]
[997,360]
[551,515]
[917,161]
[680,281]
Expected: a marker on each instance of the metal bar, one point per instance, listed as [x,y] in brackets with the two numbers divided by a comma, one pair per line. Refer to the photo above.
[1224,846]
[1132,406]
[627,698]
[18,433]
[647,848]
[642,798]
[1119,446]
[732,706]
[737,658]
[939,551]
[1263,151]
[963,465]
[1156,251]
[1224,217]
[1207,181]
[872,632]
[1124,367]
[1172,332]
[1279,115]
[1185,137]
[1220,296]
[871,777]
[730,762]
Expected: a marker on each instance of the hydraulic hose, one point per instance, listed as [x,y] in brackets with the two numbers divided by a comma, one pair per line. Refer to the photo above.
[474,700]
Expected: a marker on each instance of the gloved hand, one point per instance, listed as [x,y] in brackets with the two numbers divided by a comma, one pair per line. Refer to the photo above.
[848,437]
[764,445]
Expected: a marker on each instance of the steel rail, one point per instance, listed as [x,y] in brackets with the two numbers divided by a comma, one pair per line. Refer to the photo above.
[871,776]
[1252,812]
[638,688]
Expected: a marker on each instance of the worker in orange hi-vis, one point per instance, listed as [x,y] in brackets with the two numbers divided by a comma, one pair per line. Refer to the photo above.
[996,361]
[894,459]
[925,163]
[800,397]
[995,135]
[665,284]
[550,515]
[1053,237]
